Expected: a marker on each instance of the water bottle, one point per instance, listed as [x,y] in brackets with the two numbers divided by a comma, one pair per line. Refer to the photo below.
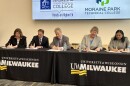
[80,49]
[128,49]
[65,47]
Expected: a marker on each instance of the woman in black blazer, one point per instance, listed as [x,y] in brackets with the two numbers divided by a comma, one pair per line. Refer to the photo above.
[17,40]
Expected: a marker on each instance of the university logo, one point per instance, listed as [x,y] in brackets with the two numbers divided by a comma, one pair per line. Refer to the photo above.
[103,2]
[45,4]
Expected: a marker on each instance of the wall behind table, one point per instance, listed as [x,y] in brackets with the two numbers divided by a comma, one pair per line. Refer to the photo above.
[18,13]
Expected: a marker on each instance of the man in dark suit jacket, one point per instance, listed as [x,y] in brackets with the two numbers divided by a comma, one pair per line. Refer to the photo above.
[59,40]
[39,41]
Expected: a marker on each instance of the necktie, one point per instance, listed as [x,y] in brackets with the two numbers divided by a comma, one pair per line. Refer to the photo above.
[40,41]
[60,43]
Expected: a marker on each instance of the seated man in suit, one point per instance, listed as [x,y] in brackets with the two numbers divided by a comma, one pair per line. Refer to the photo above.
[39,41]
[59,40]
[18,40]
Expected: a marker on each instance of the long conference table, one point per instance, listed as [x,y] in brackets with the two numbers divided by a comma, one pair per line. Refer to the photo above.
[66,67]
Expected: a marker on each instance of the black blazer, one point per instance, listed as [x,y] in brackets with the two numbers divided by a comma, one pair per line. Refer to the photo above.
[13,41]
[35,40]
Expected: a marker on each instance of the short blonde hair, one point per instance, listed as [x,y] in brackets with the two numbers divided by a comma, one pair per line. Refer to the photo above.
[95,28]
[57,29]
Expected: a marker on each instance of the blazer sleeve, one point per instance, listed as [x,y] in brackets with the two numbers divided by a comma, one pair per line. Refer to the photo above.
[100,43]
[127,42]
[23,43]
[47,43]
[68,44]
[32,41]
[111,44]
[52,44]
[83,43]
[9,42]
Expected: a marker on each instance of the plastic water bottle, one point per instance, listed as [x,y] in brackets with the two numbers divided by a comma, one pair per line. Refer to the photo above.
[80,49]
[128,49]
[65,47]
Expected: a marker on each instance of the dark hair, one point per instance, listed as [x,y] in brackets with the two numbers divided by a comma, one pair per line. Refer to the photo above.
[41,30]
[123,37]
[19,31]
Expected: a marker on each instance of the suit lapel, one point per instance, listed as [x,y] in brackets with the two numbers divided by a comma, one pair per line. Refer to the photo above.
[37,41]
[42,40]
[62,41]
[56,41]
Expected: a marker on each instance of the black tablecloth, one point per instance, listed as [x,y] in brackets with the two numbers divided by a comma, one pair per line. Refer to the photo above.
[42,58]
[67,63]
[66,67]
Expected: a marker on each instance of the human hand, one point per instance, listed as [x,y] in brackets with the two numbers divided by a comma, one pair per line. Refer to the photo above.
[15,46]
[39,47]
[97,49]
[31,46]
[121,50]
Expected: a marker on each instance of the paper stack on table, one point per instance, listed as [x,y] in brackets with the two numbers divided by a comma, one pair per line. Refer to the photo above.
[7,47]
[32,48]
[53,50]
[92,51]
